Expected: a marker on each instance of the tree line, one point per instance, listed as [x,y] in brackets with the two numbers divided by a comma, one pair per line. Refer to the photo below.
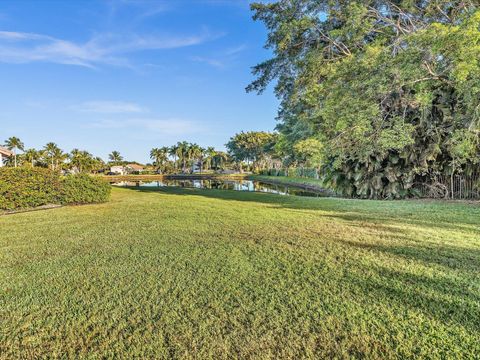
[187,157]
[51,156]
[246,151]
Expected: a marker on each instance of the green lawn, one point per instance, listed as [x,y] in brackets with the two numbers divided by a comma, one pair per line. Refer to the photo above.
[212,274]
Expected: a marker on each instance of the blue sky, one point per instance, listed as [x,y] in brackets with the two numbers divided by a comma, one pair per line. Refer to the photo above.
[130,75]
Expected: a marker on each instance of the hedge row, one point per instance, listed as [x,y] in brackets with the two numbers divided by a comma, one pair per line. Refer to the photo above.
[32,187]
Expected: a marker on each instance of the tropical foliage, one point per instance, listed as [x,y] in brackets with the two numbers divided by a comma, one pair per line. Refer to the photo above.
[388,90]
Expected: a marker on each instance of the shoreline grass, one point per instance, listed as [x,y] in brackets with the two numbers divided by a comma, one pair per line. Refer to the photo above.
[305,183]
[209,273]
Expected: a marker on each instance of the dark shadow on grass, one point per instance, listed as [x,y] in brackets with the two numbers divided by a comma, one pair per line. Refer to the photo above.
[384,212]
[443,298]
[450,257]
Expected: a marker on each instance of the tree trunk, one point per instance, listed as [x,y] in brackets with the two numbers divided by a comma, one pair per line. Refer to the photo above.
[451,180]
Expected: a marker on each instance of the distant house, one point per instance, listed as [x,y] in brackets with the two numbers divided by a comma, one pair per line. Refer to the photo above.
[126,169]
[197,167]
[118,169]
[4,153]
[135,168]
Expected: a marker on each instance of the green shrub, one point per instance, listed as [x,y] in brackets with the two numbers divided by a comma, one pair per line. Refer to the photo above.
[32,187]
[84,189]
[27,187]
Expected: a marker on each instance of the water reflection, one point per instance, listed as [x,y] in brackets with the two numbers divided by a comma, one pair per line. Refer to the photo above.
[237,185]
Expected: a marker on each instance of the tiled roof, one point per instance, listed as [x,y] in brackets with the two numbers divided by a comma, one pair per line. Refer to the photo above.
[5,151]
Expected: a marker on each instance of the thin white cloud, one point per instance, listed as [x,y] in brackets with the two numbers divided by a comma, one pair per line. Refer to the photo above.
[222,59]
[138,10]
[218,63]
[112,49]
[235,50]
[109,107]
[153,9]
[169,127]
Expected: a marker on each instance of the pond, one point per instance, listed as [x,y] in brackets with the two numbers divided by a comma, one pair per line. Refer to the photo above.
[221,184]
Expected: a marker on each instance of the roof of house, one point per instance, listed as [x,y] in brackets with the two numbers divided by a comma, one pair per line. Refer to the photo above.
[135,166]
[5,151]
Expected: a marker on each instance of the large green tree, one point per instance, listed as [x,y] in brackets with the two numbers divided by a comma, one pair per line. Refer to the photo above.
[389,88]
[251,147]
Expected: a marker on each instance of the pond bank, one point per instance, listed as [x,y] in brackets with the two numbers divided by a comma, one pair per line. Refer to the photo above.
[302,183]
[133,178]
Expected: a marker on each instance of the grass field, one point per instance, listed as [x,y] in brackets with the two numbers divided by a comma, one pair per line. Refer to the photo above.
[211,274]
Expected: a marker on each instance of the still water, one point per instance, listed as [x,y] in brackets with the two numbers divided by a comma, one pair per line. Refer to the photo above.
[237,185]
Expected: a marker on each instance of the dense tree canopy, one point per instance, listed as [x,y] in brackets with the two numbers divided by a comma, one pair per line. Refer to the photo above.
[389,90]
[252,146]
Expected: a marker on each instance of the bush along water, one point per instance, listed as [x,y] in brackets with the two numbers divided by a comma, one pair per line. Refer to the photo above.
[22,188]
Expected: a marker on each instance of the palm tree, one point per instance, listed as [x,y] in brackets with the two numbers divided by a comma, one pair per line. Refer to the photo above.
[173,151]
[13,143]
[154,153]
[82,160]
[159,156]
[210,152]
[115,156]
[52,151]
[59,157]
[194,154]
[183,154]
[220,159]
[98,164]
[31,156]
[201,156]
